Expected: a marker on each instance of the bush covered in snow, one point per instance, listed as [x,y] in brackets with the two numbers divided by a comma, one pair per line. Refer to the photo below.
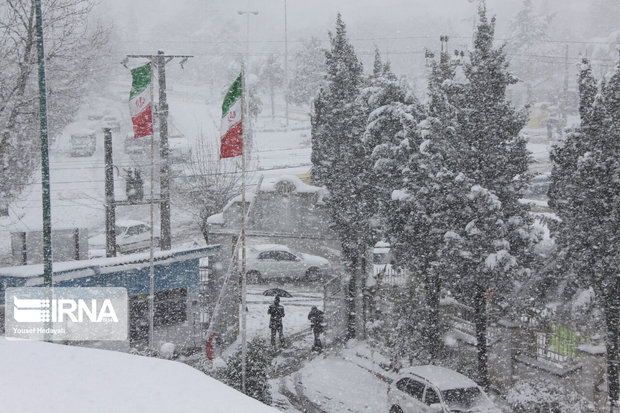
[544,396]
[258,362]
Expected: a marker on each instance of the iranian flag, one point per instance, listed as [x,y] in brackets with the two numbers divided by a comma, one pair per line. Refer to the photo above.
[141,101]
[231,129]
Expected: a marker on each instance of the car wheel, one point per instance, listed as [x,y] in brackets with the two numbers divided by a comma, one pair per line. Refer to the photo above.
[396,409]
[313,274]
[254,277]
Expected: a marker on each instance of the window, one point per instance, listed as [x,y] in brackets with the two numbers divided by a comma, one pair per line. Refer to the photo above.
[415,389]
[120,230]
[137,229]
[285,256]
[431,396]
[462,398]
[411,387]
[267,255]
[402,384]
[170,307]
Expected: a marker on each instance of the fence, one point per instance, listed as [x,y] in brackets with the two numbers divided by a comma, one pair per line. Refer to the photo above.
[335,308]
[537,349]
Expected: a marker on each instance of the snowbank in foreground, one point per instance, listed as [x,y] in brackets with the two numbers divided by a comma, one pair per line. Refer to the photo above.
[40,376]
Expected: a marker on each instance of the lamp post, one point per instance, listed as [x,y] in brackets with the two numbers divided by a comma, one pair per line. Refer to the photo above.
[247,13]
[244,100]
[285,67]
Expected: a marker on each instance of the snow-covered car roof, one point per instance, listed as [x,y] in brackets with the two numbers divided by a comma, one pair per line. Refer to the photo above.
[443,378]
[130,223]
[269,247]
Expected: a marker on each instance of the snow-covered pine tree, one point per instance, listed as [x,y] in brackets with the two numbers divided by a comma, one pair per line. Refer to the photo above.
[258,364]
[271,77]
[339,162]
[308,73]
[586,191]
[495,158]
[422,210]
[390,135]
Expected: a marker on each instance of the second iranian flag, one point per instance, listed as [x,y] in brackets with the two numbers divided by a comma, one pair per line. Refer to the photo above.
[141,101]
[231,129]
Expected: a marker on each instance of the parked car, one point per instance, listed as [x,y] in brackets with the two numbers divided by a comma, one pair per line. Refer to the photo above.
[83,143]
[435,389]
[131,236]
[273,261]
[112,123]
[179,148]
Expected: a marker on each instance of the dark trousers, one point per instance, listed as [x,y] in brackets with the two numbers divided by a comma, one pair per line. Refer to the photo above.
[273,335]
[317,338]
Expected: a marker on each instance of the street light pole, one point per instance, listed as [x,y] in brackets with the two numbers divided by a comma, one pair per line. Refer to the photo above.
[285,66]
[245,123]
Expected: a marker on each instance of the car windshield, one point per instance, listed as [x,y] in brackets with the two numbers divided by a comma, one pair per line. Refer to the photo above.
[464,399]
[120,230]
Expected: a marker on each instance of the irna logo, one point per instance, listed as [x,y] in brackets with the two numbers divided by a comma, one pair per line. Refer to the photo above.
[60,310]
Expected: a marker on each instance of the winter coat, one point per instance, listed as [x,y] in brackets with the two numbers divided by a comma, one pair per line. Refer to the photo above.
[316,319]
[276,311]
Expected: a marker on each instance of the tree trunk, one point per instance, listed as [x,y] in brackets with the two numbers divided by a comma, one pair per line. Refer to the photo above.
[433,287]
[273,111]
[612,320]
[480,321]
[351,267]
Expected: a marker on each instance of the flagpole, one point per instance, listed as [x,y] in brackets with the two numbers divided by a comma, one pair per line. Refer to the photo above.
[151,299]
[244,349]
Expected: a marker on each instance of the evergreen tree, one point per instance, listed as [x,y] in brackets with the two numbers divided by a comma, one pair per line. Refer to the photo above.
[528,31]
[390,135]
[308,73]
[271,77]
[493,156]
[258,364]
[586,191]
[340,163]
[424,209]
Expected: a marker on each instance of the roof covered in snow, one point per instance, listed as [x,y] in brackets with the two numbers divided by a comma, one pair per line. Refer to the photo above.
[45,376]
[36,270]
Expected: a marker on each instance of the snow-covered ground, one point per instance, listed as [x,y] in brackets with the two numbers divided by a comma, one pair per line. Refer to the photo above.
[40,376]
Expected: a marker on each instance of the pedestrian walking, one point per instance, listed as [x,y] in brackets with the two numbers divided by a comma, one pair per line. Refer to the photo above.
[316,323]
[276,311]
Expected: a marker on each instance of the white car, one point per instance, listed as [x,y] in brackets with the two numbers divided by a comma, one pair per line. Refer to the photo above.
[273,261]
[426,389]
[131,236]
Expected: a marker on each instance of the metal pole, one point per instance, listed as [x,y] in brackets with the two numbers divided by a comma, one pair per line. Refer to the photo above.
[151,300]
[110,213]
[285,66]
[164,169]
[45,174]
[244,347]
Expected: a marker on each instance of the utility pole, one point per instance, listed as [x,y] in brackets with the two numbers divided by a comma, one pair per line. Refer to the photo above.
[160,60]
[564,103]
[110,207]
[45,168]
[164,161]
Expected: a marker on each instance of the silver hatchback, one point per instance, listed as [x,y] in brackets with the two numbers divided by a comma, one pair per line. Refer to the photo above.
[434,389]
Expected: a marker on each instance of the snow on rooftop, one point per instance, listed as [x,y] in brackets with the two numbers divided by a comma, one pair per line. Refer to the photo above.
[36,270]
[269,184]
[52,377]
[443,378]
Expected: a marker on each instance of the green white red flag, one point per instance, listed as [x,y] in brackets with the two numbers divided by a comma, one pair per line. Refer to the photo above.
[141,101]
[231,129]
